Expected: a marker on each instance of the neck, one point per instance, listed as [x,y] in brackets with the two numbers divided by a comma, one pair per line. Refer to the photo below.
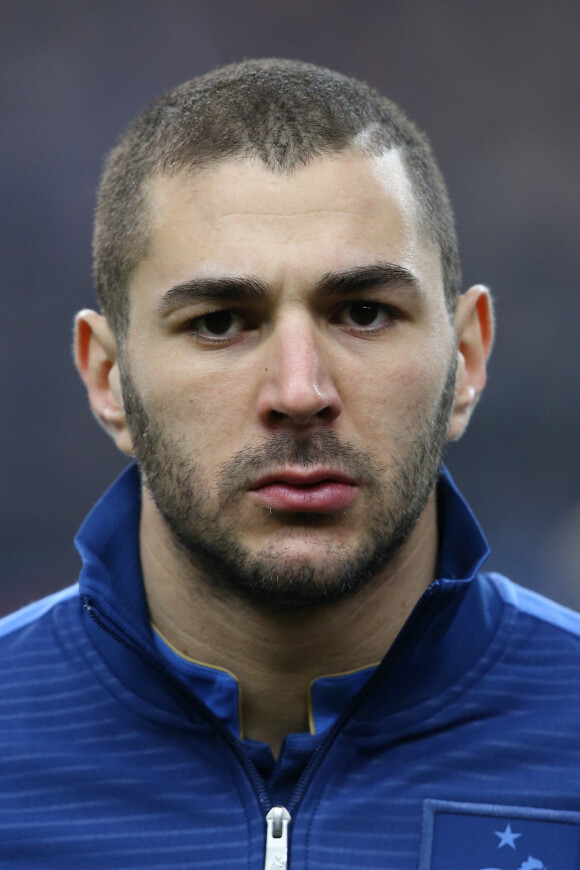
[275,656]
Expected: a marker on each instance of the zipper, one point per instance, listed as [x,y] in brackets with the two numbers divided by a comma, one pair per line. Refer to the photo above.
[277,822]
[277,818]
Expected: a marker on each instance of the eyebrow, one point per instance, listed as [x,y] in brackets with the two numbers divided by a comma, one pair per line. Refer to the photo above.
[224,289]
[246,288]
[362,278]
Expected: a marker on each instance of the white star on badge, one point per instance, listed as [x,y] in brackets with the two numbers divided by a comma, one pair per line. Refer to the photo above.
[507,837]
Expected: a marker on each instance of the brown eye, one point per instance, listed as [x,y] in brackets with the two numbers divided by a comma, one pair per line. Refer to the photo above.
[217,323]
[363,313]
[366,316]
[221,324]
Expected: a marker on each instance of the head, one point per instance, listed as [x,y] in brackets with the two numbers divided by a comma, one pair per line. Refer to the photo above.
[283,114]
[283,348]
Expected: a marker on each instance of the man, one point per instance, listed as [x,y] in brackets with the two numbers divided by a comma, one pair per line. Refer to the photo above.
[281,651]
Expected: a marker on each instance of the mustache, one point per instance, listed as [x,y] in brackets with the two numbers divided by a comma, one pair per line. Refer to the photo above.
[284,448]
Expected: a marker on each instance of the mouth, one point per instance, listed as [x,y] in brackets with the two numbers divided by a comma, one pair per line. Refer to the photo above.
[300,490]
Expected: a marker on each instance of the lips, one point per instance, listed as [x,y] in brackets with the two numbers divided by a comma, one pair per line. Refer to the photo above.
[318,491]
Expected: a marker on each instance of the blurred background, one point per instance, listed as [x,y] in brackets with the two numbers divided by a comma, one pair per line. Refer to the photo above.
[495,84]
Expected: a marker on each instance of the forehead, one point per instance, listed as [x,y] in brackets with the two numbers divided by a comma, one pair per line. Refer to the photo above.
[239,217]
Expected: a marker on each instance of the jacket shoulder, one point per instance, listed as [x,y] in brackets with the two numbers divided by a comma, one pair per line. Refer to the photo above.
[33,615]
[531,605]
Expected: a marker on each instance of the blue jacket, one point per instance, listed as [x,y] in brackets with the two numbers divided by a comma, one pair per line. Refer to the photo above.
[460,752]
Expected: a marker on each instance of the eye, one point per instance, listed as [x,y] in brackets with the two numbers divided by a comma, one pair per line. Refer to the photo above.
[218,324]
[366,315]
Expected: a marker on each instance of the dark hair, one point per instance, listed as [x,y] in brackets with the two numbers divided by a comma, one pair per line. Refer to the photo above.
[285,113]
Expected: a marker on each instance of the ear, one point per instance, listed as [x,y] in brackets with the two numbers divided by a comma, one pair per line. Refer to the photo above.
[96,358]
[474,327]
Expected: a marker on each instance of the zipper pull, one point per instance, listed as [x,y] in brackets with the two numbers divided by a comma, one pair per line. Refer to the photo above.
[277,839]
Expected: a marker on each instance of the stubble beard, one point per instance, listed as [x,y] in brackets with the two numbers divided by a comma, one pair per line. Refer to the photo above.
[272,578]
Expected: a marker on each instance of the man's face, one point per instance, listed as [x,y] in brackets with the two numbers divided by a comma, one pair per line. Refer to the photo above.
[288,372]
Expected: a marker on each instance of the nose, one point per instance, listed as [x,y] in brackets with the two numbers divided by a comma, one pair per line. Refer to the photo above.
[297,385]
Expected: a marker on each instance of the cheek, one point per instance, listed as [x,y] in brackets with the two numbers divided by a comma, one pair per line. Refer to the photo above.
[422,382]
[389,400]
[207,412]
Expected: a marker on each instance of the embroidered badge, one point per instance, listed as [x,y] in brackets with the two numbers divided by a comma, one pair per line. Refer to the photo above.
[466,836]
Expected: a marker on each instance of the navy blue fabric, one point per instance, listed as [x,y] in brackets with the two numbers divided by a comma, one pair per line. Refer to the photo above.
[109,761]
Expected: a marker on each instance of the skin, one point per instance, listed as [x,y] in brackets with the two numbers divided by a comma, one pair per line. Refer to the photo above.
[298,363]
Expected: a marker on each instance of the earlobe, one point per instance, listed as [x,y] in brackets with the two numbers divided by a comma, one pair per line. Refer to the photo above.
[474,326]
[96,358]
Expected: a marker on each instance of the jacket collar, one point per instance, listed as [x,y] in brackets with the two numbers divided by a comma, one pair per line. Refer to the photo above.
[425,652]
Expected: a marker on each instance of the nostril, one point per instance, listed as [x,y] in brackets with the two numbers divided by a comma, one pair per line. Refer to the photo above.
[303,417]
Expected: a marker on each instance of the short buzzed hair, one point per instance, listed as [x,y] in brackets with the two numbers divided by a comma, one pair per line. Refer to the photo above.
[283,113]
